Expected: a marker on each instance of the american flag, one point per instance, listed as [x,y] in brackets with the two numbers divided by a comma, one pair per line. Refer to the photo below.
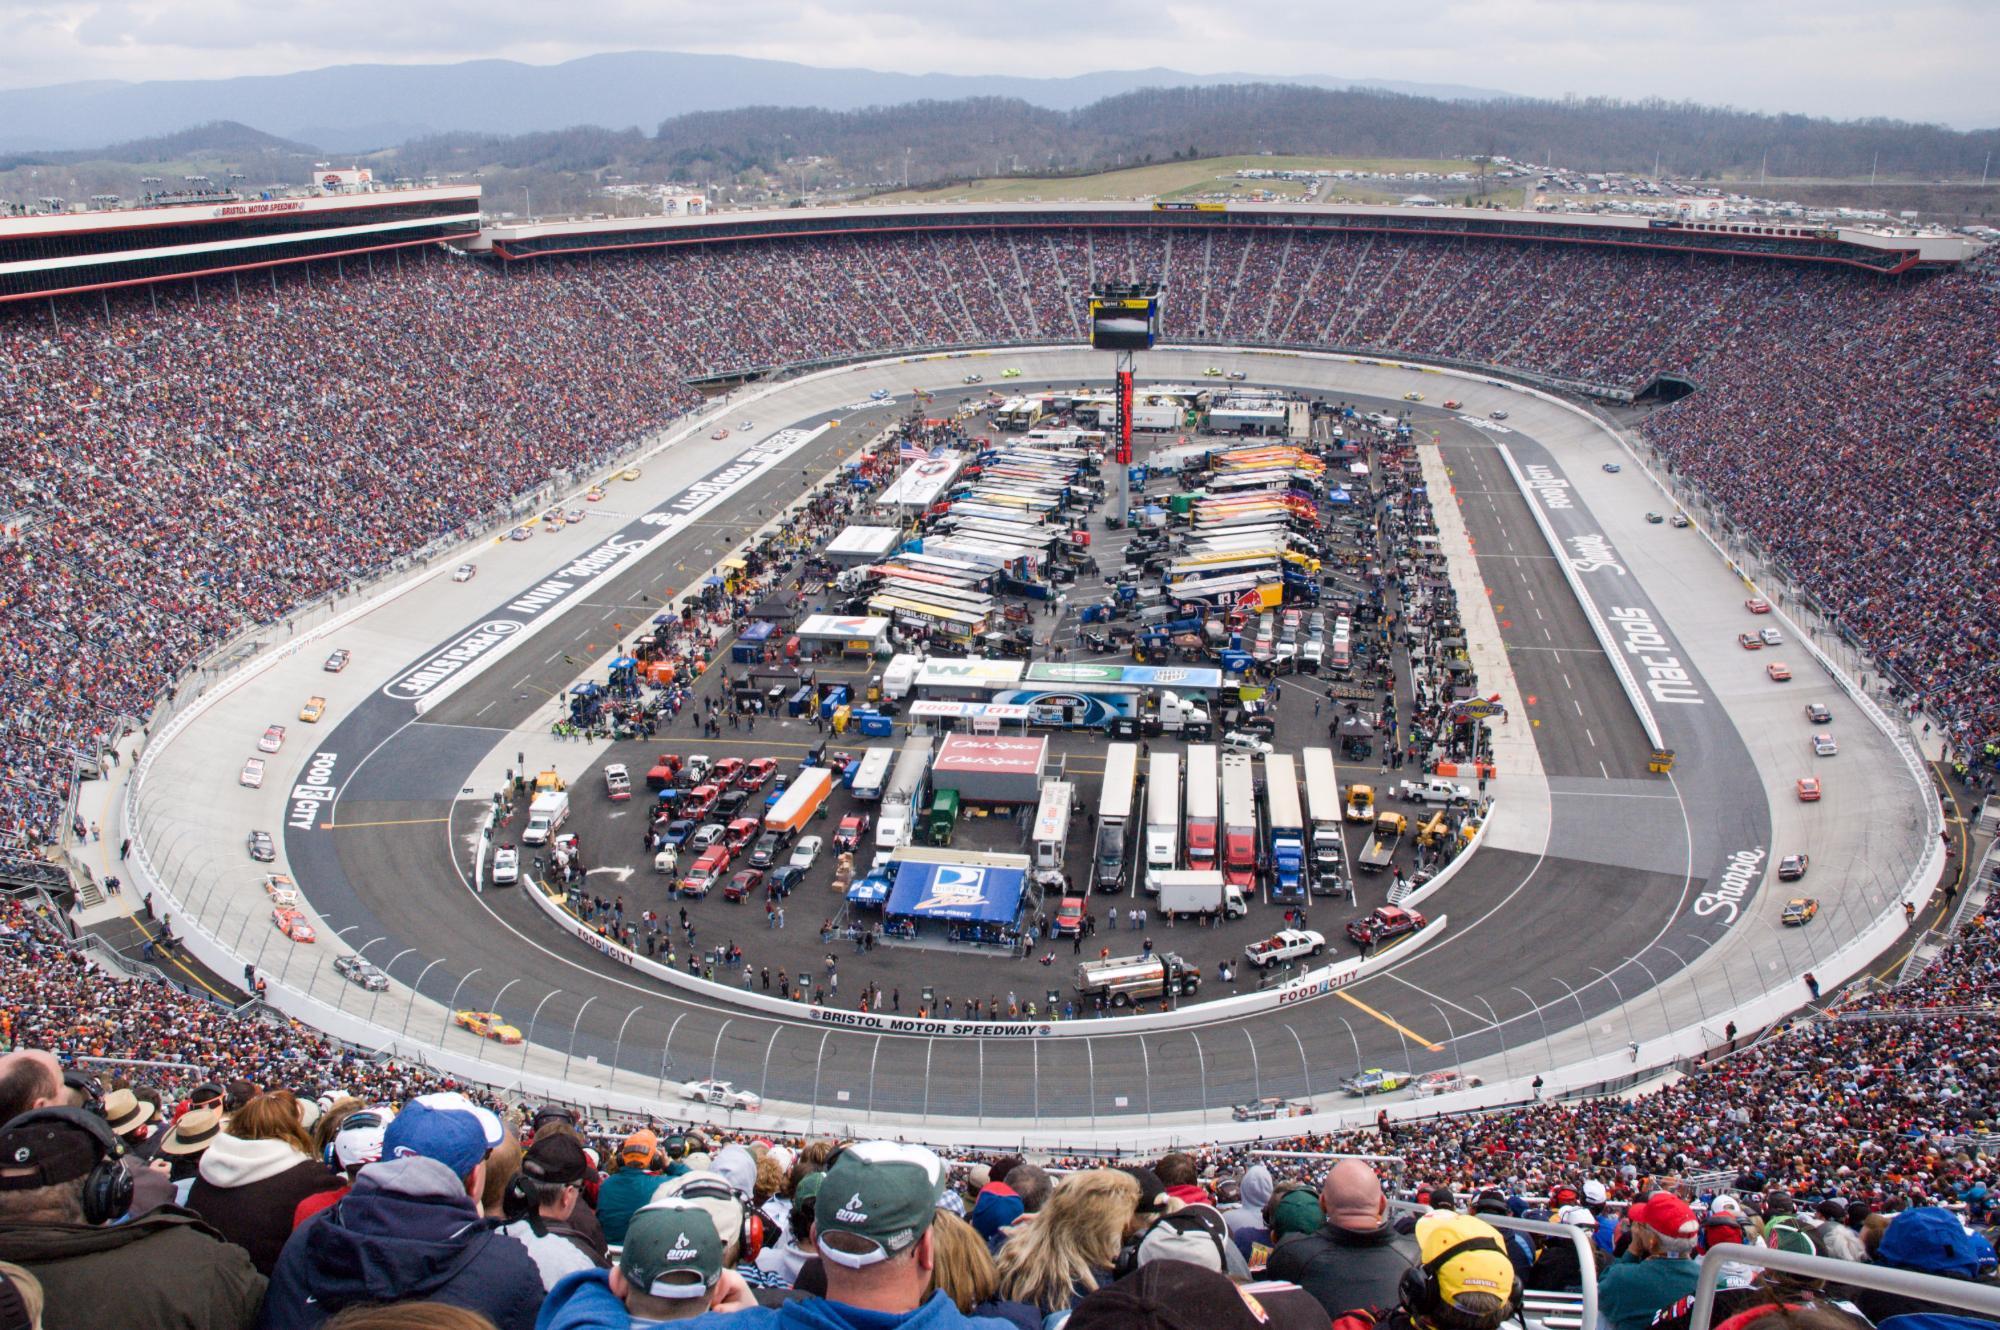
[909,452]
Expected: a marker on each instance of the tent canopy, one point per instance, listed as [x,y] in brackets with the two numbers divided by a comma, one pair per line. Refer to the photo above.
[971,893]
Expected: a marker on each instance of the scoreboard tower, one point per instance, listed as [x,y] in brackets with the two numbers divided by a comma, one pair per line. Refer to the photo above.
[1124,320]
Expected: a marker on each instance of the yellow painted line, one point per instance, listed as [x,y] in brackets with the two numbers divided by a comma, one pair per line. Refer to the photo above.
[404,822]
[173,957]
[1389,1021]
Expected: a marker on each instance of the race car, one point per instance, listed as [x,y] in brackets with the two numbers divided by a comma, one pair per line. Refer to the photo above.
[1375,1081]
[1010,373]
[879,395]
[746,424]
[314,708]
[1237,376]
[1069,917]
[1824,746]
[358,971]
[973,378]
[1452,404]
[520,533]
[1212,372]
[1679,521]
[465,572]
[1779,671]
[629,473]
[506,865]
[573,516]
[743,885]
[851,829]
[252,773]
[1757,605]
[1772,637]
[281,889]
[1496,415]
[1750,641]
[292,923]
[719,434]
[1613,467]
[337,662]
[756,772]
[1267,1109]
[593,495]
[1444,1082]
[273,740]
[1655,518]
[1809,789]
[1793,867]
[722,1094]
[1799,910]
[1413,397]
[487,1025]
[1389,921]
[1818,714]
[262,848]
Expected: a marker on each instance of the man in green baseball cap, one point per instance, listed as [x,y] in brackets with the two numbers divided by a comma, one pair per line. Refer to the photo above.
[671,1269]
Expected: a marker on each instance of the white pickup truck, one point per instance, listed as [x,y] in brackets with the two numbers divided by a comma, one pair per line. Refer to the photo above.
[1284,945]
[1435,790]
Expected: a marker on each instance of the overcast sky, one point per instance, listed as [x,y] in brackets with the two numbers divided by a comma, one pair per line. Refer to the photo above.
[1910,59]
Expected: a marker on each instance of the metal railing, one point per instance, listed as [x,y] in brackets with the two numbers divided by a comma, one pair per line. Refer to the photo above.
[1978,1298]
[1581,1238]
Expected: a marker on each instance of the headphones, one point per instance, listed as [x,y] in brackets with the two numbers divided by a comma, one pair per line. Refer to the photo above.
[1422,1295]
[757,1234]
[87,1085]
[107,1188]
[523,1199]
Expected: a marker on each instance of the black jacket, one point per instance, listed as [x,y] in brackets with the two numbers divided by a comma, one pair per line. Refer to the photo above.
[165,1270]
[1345,1269]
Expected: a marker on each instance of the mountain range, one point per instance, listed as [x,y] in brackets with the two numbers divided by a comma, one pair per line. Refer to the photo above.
[354,108]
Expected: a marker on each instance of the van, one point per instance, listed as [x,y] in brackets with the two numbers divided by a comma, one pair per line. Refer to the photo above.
[546,816]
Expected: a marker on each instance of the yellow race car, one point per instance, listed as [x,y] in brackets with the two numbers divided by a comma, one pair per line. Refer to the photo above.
[314,708]
[487,1025]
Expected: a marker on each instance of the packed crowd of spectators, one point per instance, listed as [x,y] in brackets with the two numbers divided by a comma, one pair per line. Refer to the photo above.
[270,1178]
[197,458]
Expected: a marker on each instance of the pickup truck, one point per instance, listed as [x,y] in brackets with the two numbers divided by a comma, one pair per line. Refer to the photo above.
[1387,923]
[1436,790]
[1284,945]
[1381,848]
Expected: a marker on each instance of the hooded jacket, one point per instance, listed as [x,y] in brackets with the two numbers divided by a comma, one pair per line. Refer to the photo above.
[939,1313]
[250,1191]
[407,1230]
[165,1270]
[1255,1190]
[1346,1268]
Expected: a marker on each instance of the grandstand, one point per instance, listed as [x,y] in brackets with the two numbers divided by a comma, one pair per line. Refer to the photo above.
[196,456]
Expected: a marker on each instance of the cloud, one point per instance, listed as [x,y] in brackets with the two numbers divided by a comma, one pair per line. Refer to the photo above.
[1921,59]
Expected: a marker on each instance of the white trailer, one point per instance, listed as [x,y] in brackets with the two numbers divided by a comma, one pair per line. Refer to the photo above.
[1115,814]
[1163,816]
[1183,892]
[874,773]
[1051,837]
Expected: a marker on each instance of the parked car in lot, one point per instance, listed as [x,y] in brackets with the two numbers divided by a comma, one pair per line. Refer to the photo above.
[764,854]
[785,880]
[744,885]
[805,853]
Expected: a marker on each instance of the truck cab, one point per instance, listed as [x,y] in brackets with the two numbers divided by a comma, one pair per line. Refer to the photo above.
[546,816]
[1360,802]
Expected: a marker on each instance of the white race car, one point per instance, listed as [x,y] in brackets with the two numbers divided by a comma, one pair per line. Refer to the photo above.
[722,1094]
[253,774]
[273,739]
[465,572]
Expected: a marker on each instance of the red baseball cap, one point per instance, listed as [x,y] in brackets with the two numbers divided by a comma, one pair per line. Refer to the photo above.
[1666,1214]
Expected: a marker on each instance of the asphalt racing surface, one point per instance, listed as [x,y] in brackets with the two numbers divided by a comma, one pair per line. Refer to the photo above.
[1626,852]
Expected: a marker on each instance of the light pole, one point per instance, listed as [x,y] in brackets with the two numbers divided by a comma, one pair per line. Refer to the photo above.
[415,989]
[451,1007]
[529,1042]
[575,1025]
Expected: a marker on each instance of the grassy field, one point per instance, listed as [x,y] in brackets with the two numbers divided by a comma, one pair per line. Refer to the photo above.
[1167,180]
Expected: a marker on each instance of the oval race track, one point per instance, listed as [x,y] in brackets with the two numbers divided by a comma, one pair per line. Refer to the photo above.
[1597,879]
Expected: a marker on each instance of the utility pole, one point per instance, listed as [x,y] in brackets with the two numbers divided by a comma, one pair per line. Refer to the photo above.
[1872,164]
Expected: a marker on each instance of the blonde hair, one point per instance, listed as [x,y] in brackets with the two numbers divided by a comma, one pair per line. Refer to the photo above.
[770,1180]
[960,1263]
[501,1166]
[1076,1234]
[30,1289]
[272,1116]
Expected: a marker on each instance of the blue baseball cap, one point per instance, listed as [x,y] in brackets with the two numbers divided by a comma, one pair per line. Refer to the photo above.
[451,1136]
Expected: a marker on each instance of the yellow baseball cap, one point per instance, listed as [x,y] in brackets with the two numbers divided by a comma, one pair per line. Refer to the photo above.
[1464,1254]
